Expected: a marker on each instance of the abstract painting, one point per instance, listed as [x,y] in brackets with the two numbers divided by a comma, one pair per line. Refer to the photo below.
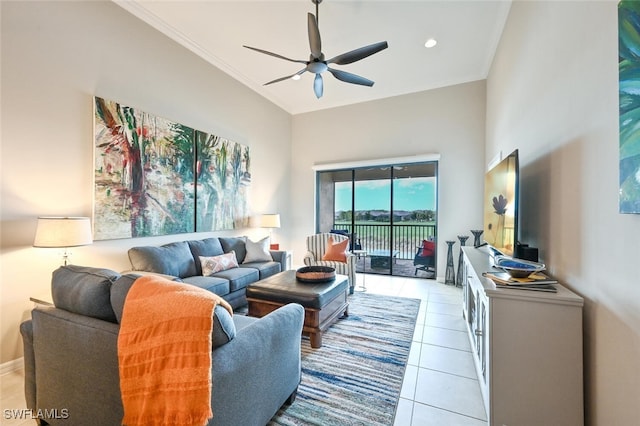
[223,177]
[157,177]
[629,96]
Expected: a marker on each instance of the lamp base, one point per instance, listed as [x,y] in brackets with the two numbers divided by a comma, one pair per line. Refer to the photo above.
[274,246]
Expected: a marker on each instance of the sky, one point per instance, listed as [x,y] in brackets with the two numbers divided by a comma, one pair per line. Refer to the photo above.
[410,194]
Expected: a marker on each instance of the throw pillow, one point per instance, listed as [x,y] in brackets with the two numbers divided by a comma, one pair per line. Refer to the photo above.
[336,252]
[169,259]
[236,244]
[224,329]
[84,290]
[213,264]
[257,251]
[428,248]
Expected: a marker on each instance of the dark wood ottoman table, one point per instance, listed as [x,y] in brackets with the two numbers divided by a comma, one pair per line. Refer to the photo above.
[323,303]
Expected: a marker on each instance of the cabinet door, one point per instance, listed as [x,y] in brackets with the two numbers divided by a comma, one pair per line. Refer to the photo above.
[465,289]
[482,336]
[479,331]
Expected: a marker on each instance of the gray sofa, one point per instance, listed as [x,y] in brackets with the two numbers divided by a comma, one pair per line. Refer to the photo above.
[182,260]
[71,356]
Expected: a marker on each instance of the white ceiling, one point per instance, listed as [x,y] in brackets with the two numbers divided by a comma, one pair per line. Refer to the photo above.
[467,32]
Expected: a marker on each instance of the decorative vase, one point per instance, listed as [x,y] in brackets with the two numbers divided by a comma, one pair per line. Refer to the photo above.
[476,236]
[459,277]
[450,275]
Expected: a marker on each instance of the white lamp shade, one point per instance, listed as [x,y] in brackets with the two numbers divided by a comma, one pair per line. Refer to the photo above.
[270,221]
[63,232]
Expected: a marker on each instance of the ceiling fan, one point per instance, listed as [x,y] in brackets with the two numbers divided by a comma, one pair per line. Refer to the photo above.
[317,63]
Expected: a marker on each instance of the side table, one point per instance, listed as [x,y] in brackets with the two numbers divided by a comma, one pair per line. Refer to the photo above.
[362,254]
[41,300]
[288,259]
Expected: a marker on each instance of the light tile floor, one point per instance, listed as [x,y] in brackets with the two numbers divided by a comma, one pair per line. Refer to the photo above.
[440,384]
[12,400]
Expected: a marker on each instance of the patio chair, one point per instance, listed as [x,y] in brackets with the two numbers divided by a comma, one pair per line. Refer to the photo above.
[317,246]
[425,258]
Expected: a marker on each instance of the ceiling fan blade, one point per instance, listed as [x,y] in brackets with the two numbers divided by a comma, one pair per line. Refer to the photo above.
[275,54]
[285,78]
[314,36]
[348,77]
[318,86]
[356,55]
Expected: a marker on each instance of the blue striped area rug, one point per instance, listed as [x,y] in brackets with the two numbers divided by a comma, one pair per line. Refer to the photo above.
[356,376]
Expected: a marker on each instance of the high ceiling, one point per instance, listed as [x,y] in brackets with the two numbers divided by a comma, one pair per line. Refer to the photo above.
[467,33]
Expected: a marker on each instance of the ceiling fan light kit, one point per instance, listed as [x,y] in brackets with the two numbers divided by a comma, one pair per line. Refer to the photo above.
[317,63]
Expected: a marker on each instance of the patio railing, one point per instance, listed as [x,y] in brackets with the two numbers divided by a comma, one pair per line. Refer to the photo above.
[405,238]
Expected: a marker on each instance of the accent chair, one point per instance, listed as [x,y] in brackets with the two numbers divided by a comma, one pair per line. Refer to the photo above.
[317,247]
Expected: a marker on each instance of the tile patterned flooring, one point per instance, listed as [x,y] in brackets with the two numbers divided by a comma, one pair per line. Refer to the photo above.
[12,400]
[440,385]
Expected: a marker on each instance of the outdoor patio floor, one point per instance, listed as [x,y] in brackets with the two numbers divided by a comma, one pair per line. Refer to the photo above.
[401,267]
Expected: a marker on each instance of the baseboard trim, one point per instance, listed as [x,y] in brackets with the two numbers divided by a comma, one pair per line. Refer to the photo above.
[11,366]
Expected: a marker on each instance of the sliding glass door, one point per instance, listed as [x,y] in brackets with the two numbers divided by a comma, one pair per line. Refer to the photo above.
[387,210]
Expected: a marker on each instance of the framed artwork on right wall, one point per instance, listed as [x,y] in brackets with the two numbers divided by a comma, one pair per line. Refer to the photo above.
[629,95]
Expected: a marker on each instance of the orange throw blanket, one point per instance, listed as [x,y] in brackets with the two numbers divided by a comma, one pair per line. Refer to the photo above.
[164,353]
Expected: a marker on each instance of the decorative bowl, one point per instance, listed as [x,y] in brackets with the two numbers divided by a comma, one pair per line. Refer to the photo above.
[316,274]
[517,268]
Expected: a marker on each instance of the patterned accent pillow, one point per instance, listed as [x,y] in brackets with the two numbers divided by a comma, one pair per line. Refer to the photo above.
[336,252]
[258,251]
[213,264]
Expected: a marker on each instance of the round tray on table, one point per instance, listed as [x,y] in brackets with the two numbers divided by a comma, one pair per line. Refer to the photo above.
[316,274]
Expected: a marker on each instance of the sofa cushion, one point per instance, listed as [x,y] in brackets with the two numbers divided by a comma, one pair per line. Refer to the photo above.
[257,251]
[207,247]
[236,244]
[265,269]
[119,291]
[219,286]
[169,259]
[239,277]
[213,264]
[84,290]
[224,329]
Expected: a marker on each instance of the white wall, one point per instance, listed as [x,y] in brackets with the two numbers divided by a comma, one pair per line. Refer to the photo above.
[553,93]
[55,57]
[448,121]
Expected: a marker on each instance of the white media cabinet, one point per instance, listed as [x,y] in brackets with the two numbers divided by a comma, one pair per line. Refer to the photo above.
[527,348]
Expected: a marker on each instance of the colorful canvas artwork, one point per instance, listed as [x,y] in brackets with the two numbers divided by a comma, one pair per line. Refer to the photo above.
[157,177]
[222,176]
[629,94]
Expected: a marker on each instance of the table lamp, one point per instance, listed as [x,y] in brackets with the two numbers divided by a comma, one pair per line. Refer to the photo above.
[63,232]
[271,221]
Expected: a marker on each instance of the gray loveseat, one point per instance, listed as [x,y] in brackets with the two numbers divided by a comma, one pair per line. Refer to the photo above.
[71,356]
[182,260]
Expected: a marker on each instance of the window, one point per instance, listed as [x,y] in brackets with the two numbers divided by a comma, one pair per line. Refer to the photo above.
[388,210]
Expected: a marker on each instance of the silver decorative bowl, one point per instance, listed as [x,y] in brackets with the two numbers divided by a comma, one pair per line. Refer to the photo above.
[518,268]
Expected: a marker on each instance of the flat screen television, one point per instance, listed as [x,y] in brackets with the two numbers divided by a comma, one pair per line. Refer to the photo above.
[501,195]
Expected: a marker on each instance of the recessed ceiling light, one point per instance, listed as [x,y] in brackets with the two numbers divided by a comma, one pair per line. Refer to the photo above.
[296,77]
[430,43]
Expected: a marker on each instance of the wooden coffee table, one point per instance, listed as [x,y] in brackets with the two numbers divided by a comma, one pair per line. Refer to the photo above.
[323,303]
